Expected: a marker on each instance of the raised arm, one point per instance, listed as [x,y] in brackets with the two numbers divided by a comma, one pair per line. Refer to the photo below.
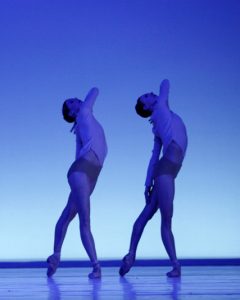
[91,97]
[164,91]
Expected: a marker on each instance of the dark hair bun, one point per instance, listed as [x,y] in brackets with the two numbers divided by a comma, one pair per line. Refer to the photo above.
[139,107]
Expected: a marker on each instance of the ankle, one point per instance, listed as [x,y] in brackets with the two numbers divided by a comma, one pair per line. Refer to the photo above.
[132,254]
[57,254]
[176,264]
[96,265]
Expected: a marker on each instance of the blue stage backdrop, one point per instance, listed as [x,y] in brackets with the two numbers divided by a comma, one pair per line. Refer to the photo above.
[51,50]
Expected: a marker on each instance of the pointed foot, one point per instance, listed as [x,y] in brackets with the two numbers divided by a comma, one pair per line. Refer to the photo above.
[53,262]
[127,262]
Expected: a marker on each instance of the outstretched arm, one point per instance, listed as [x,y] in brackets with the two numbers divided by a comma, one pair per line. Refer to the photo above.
[164,91]
[91,97]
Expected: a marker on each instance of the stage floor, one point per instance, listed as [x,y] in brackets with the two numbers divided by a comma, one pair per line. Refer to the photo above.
[198,283]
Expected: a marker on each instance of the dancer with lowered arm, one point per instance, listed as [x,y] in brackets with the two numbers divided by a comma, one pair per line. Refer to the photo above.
[170,138]
[91,151]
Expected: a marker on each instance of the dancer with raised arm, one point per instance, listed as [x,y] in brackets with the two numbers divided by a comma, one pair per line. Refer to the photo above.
[170,138]
[91,151]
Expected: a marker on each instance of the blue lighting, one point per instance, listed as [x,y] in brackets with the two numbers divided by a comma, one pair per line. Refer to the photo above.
[53,50]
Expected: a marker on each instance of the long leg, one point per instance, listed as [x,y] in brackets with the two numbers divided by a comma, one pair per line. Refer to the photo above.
[165,189]
[66,217]
[139,225]
[81,189]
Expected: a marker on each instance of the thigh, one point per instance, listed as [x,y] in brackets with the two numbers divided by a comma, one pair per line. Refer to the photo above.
[93,183]
[165,189]
[80,189]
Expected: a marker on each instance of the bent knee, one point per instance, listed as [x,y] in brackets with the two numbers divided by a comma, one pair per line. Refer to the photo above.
[140,223]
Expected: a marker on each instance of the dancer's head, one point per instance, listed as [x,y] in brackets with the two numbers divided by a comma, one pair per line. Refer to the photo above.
[145,103]
[70,109]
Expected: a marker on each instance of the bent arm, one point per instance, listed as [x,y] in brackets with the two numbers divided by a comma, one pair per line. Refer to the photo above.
[154,159]
[91,97]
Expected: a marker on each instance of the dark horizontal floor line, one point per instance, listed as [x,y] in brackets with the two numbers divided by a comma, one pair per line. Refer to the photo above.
[116,263]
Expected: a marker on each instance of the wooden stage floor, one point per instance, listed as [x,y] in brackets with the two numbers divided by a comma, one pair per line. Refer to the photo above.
[196,283]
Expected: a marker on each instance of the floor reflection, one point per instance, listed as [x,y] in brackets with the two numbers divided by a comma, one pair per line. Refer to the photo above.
[91,288]
[96,285]
[54,291]
[175,286]
[133,287]
[128,289]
